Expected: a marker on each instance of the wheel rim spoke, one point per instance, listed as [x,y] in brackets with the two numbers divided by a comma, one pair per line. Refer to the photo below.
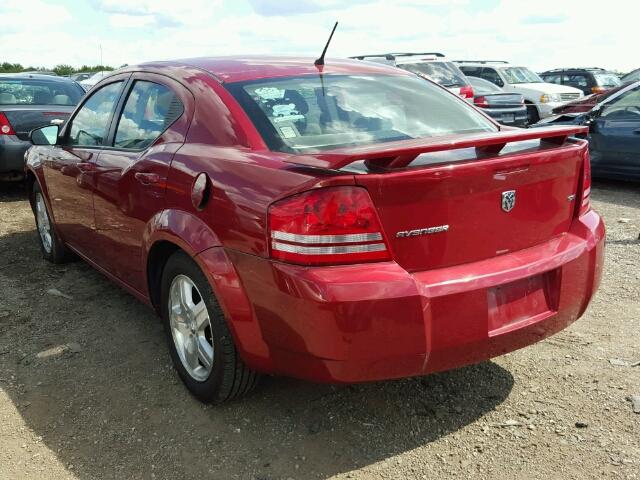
[205,352]
[200,316]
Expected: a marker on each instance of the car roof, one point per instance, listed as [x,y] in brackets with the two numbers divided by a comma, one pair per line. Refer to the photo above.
[494,63]
[34,76]
[246,68]
[577,69]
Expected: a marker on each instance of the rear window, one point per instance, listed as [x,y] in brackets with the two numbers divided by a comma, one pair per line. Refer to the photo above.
[607,80]
[445,73]
[314,113]
[38,92]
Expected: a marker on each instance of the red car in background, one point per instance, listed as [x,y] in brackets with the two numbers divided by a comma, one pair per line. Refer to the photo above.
[344,222]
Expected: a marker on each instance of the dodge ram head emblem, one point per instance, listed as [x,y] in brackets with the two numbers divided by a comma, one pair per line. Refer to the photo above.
[508,200]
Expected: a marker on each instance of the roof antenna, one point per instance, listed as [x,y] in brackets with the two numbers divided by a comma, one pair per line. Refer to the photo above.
[320,61]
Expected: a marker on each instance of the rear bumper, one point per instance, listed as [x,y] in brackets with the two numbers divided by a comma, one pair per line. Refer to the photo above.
[12,151]
[377,321]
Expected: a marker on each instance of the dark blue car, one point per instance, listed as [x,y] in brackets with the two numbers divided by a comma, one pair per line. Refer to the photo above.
[614,133]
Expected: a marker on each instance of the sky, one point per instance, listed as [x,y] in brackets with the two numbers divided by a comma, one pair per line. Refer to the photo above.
[540,34]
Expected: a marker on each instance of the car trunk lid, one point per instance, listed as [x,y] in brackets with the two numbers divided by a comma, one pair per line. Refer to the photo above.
[25,118]
[453,200]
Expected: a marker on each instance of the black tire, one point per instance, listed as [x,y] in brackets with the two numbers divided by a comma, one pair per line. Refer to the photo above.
[532,114]
[229,377]
[54,251]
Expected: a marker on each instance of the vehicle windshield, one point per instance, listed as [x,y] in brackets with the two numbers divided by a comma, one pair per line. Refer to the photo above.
[607,80]
[445,73]
[516,75]
[314,113]
[29,91]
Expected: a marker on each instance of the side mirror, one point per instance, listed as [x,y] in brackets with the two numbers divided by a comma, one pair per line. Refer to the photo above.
[45,135]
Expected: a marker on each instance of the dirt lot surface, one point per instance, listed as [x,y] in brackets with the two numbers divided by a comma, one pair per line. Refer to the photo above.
[87,390]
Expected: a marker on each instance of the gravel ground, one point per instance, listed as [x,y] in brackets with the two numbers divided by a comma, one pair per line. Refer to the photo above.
[87,390]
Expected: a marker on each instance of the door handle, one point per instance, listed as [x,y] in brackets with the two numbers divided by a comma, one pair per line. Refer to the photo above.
[86,167]
[147,178]
[637,132]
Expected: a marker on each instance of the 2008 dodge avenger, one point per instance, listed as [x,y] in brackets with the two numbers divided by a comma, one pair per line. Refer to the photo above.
[343,222]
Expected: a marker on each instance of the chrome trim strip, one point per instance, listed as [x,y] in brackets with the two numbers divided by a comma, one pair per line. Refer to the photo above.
[351,238]
[334,250]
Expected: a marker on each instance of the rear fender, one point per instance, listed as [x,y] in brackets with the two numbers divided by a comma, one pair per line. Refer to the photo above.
[196,238]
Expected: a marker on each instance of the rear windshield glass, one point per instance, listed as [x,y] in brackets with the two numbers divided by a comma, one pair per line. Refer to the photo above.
[607,79]
[482,86]
[445,73]
[38,92]
[520,75]
[314,113]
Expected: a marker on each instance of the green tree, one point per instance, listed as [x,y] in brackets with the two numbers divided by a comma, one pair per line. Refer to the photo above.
[64,69]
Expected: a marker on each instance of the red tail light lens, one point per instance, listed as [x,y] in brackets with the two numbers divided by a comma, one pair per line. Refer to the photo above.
[585,198]
[466,91]
[481,102]
[598,89]
[5,126]
[327,226]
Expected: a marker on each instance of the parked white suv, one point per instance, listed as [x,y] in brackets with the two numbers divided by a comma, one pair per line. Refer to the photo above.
[433,66]
[540,97]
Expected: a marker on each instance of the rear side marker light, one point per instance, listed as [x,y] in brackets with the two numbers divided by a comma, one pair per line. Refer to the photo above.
[5,126]
[326,226]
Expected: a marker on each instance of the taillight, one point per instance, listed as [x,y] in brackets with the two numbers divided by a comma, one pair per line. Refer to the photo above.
[585,197]
[466,91]
[481,102]
[327,226]
[598,89]
[5,126]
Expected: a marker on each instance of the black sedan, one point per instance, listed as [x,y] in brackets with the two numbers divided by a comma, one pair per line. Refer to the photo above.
[506,108]
[614,133]
[29,101]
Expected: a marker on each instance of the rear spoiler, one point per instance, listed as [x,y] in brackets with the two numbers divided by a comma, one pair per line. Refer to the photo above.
[401,153]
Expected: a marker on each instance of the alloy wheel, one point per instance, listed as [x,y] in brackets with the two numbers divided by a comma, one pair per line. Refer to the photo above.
[191,328]
[43,223]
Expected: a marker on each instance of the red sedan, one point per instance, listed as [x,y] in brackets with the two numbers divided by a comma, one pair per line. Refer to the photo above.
[338,223]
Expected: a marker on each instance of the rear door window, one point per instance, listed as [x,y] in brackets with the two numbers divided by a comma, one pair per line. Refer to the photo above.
[150,109]
[577,80]
[491,75]
[90,126]
[39,92]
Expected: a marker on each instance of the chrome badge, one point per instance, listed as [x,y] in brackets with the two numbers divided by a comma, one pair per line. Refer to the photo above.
[422,231]
[508,200]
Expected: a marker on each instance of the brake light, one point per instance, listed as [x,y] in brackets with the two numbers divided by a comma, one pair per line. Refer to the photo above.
[5,126]
[327,226]
[585,198]
[481,102]
[466,91]
[598,89]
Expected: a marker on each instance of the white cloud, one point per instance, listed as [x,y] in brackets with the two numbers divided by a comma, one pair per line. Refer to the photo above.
[541,34]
